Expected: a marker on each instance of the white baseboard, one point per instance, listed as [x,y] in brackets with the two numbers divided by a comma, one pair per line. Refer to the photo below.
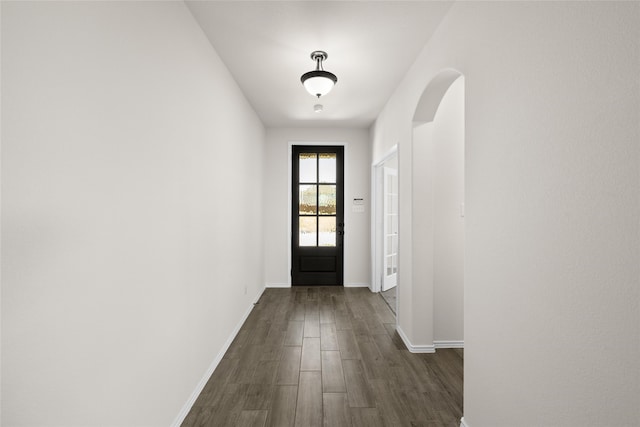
[448,344]
[288,285]
[414,348]
[277,285]
[203,381]
[356,285]
[463,423]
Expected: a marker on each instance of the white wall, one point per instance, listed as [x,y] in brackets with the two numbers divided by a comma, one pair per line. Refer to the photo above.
[277,192]
[448,140]
[130,251]
[552,326]
[419,300]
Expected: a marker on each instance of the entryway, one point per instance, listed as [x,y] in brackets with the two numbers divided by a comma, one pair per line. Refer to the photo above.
[317,215]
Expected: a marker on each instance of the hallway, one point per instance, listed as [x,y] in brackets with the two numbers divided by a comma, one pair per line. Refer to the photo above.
[313,356]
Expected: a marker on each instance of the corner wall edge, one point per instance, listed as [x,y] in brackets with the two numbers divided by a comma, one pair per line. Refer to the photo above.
[424,348]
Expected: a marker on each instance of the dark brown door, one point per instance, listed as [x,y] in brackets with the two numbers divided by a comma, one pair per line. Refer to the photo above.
[317,215]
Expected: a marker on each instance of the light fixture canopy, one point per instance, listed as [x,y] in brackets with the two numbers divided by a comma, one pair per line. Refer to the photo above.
[318,82]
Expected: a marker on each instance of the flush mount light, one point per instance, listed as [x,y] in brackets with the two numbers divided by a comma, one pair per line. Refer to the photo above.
[317,108]
[318,82]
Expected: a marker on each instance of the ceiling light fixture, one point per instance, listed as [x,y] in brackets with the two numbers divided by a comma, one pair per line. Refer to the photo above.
[317,108]
[318,82]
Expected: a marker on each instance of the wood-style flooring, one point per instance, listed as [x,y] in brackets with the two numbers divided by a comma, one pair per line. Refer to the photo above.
[328,356]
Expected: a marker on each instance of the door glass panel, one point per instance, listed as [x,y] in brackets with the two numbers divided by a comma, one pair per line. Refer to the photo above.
[307,199]
[307,230]
[308,167]
[327,172]
[389,245]
[327,226]
[391,185]
[327,200]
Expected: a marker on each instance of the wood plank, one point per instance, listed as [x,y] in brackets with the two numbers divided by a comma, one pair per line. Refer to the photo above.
[328,337]
[332,373]
[325,297]
[343,320]
[412,406]
[312,293]
[419,372]
[335,410]
[246,368]
[311,355]
[360,328]
[289,367]
[309,405]
[258,397]
[265,372]
[395,337]
[259,334]
[311,320]
[198,416]
[283,407]
[271,352]
[297,312]
[221,374]
[402,378]
[365,417]
[358,390]
[232,402]
[210,398]
[375,326]
[252,418]
[327,315]
[235,349]
[294,333]
[391,355]
[384,313]
[276,334]
[347,344]
[372,362]
[387,404]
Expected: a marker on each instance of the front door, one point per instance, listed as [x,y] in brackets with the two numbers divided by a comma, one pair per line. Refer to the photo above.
[317,196]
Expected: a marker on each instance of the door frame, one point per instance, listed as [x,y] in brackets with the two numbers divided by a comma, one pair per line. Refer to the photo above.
[377,219]
[345,256]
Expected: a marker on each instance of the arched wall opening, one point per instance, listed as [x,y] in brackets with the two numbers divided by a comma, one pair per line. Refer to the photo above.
[438,212]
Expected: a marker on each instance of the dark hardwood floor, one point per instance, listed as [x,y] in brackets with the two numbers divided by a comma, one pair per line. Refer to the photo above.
[328,356]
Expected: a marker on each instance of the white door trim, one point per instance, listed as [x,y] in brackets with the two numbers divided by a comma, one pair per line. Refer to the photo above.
[376,218]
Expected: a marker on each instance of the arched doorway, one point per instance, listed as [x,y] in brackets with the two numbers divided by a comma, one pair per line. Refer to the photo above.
[438,213]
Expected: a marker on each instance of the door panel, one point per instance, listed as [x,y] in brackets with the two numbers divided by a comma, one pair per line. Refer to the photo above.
[317,215]
[390,209]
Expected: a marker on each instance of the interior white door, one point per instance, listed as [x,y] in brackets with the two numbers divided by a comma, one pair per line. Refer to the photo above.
[390,244]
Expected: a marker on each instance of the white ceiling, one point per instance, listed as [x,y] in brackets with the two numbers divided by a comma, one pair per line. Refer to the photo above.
[266,46]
